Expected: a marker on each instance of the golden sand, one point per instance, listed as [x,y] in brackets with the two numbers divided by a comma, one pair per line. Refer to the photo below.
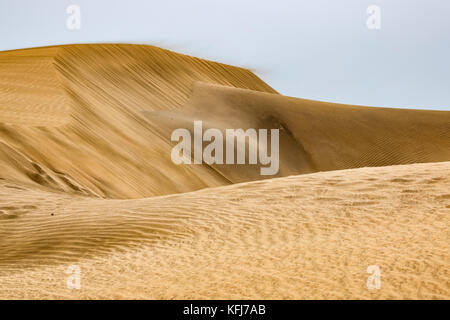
[86,179]
[301,237]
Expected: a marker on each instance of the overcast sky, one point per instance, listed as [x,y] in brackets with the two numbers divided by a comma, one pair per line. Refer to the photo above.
[315,49]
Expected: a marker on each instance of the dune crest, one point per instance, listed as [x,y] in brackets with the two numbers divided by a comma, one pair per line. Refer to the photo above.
[78,113]
[314,136]
[85,130]
[76,110]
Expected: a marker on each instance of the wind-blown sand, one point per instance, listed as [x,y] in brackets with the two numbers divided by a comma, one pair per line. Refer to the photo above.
[86,179]
[98,93]
[107,107]
[314,136]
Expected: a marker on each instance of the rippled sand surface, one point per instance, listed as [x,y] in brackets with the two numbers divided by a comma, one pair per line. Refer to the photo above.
[300,237]
[86,179]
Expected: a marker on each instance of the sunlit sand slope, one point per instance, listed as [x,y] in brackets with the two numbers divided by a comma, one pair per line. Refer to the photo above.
[306,236]
[71,120]
[314,136]
[31,92]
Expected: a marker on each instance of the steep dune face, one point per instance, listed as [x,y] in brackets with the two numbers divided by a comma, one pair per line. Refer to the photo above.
[314,136]
[71,120]
[84,122]
[76,110]
[301,237]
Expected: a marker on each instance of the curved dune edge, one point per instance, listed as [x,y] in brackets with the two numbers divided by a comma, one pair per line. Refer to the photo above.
[314,136]
[71,121]
[73,136]
[308,236]
[75,112]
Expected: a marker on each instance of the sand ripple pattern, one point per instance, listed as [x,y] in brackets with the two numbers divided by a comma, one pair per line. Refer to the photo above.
[307,236]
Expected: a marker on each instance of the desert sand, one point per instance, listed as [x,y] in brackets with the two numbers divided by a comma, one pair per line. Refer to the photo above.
[86,179]
[301,237]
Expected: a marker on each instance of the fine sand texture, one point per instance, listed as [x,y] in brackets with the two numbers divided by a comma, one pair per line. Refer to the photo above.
[71,118]
[300,237]
[86,179]
[97,119]
[314,136]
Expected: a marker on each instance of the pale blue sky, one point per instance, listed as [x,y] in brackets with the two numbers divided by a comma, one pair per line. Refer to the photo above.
[315,49]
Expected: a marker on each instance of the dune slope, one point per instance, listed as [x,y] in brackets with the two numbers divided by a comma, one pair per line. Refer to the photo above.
[86,179]
[314,136]
[72,120]
[306,236]
[74,113]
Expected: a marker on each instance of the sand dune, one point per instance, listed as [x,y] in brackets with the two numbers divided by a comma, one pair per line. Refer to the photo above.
[306,236]
[314,136]
[31,92]
[76,110]
[71,119]
[86,179]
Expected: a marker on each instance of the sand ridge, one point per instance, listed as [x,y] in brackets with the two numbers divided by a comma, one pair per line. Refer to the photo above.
[102,90]
[314,136]
[105,142]
[86,179]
